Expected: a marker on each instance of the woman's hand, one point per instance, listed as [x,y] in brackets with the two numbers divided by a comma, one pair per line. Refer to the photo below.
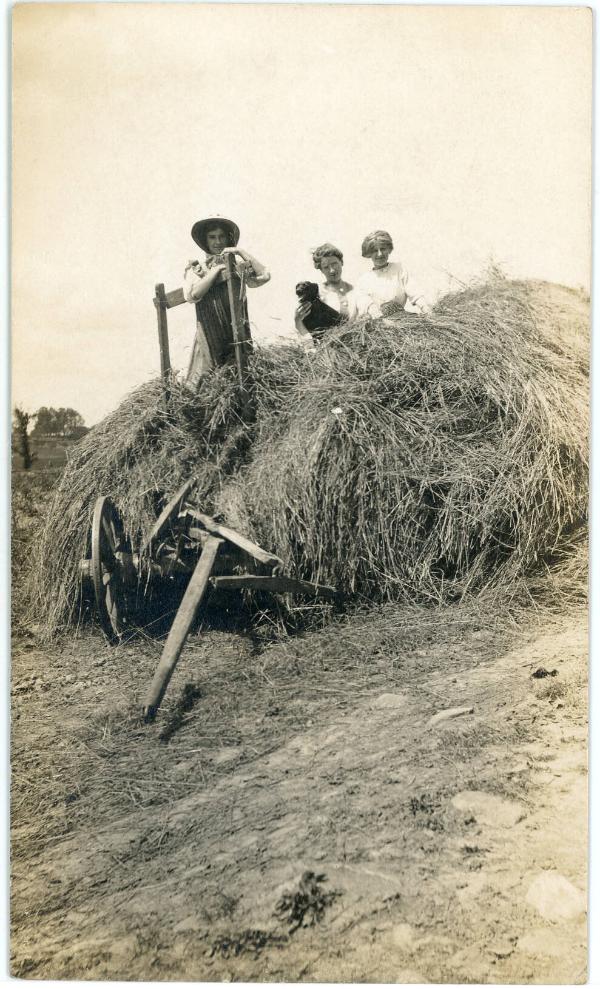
[256,272]
[236,250]
[302,310]
[212,275]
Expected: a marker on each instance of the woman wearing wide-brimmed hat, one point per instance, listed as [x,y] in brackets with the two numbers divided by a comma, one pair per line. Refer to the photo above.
[205,285]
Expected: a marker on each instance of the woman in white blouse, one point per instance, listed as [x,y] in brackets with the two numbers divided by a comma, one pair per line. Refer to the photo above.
[205,285]
[386,288]
[335,292]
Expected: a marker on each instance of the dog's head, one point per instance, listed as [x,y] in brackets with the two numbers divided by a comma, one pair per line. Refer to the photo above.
[307,291]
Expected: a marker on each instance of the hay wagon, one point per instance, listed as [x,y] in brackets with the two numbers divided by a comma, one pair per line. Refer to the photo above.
[184,542]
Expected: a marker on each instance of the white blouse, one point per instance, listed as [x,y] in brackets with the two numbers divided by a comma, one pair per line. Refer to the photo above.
[389,284]
[342,299]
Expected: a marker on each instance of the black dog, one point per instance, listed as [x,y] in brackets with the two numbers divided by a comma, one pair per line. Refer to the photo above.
[321,316]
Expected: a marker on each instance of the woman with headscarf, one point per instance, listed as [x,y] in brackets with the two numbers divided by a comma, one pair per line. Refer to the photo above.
[386,289]
[334,292]
[205,285]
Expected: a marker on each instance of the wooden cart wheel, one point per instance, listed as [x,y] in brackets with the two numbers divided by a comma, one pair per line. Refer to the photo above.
[110,554]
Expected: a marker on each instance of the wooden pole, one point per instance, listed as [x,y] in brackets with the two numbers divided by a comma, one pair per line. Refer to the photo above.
[238,340]
[224,532]
[160,302]
[180,628]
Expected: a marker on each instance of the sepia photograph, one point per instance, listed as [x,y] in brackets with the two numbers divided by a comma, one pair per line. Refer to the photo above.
[299,357]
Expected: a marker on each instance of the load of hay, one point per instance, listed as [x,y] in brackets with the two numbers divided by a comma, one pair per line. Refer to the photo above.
[139,456]
[420,458]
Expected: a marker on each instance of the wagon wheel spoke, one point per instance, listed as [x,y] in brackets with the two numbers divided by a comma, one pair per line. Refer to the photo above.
[111,604]
[109,531]
[113,542]
[108,540]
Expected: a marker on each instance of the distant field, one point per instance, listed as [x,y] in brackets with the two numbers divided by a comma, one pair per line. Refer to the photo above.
[49,452]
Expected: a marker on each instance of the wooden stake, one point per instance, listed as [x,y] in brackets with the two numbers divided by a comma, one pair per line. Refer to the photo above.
[160,302]
[180,628]
[168,512]
[238,340]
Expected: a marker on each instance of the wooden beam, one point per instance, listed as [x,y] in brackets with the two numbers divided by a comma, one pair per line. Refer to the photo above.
[276,585]
[160,302]
[174,298]
[170,509]
[180,628]
[238,540]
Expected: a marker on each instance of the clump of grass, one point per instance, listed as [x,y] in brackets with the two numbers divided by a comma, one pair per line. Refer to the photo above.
[251,941]
[306,905]
[417,459]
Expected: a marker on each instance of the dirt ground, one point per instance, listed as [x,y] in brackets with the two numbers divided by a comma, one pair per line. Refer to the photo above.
[306,810]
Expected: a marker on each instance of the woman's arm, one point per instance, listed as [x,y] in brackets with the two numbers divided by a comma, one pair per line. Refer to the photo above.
[365,304]
[416,298]
[302,310]
[197,280]
[256,273]
[352,300]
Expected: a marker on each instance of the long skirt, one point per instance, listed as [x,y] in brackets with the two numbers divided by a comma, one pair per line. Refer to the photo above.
[214,343]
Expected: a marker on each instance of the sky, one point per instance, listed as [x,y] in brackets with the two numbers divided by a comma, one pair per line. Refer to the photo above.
[464,131]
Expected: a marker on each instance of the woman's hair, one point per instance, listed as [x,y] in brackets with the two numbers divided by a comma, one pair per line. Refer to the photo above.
[369,242]
[219,226]
[326,251]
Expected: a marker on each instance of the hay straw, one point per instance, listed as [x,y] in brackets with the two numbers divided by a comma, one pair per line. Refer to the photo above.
[429,457]
[418,459]
[138,455]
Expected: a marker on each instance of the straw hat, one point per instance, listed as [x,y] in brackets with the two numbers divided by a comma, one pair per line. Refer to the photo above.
[201,228]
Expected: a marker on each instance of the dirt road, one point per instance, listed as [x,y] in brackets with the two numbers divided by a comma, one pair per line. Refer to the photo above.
[445,845]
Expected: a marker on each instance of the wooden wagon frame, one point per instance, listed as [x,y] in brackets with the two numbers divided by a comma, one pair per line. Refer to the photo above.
[183,541]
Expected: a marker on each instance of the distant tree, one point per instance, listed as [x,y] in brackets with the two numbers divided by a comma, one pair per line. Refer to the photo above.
[45,422]
[58,422]
[69,422]
[21,420]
